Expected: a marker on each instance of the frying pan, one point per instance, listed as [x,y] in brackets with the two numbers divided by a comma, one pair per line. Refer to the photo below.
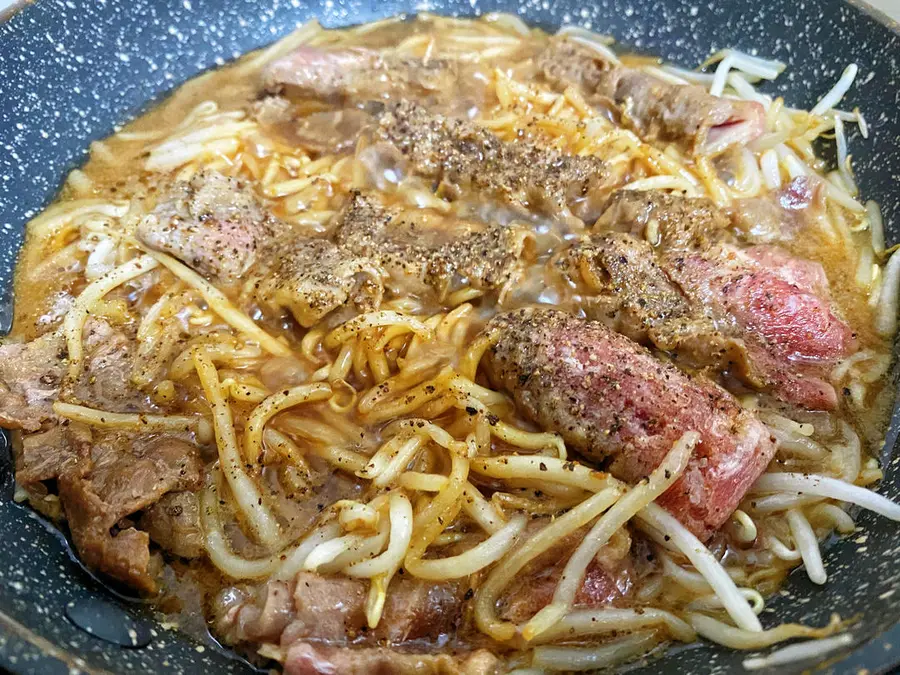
[71,71]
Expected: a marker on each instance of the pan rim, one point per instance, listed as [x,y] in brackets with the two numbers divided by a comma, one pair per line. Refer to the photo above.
[870,645]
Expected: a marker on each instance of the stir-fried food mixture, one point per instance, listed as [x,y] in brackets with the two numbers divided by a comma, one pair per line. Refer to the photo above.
[442,345]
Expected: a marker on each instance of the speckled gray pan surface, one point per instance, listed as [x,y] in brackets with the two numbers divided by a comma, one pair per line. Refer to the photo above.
[71,71]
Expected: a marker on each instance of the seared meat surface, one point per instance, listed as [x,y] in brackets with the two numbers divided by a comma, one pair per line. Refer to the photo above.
[314,277]
[656,109]
[49,454]
[461,157]
[613,402]
[32,375]
[317,617]
[359,73]
[105,382]
[102,477]
[211,223]
[631,293]
[173,522]
[334,609]
[416,253]
[665,220]
[126,473]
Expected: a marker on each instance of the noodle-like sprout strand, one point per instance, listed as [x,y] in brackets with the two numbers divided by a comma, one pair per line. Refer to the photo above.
[805,650]
[131,421]
[435,517]
[372,320]
[734,603]
[808,545]
[219,551]
[662,478]
[221,304]
[243,488]
[274,404]
[830,488]
[501,575]
[476,558]
[739,638]
[73,323]
[581,622]
[593,658]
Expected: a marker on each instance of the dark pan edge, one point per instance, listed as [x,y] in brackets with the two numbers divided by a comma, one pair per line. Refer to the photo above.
[14,8]
[876,14]
[27,652]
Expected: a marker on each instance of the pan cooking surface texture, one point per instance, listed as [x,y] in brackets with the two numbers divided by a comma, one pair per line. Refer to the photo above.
[69,72]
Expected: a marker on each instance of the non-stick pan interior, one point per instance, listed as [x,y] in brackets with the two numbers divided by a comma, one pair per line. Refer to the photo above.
[69,72]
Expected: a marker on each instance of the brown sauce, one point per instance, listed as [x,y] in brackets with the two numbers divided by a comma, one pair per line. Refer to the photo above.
[264,159]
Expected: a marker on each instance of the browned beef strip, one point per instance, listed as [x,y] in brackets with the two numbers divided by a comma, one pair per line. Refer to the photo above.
[105,382]
[320,623]
[416,254]
[684,113]
[304,658]
[333,609]
[174,523]
[254,613]
[462,157]
[313,277]
[612,401]
[215,225]
[758,312]
[625,288]
[47,455]
[212,223]
[30,375]
[329,611]
[127,473]
[681,222]
[360,73]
